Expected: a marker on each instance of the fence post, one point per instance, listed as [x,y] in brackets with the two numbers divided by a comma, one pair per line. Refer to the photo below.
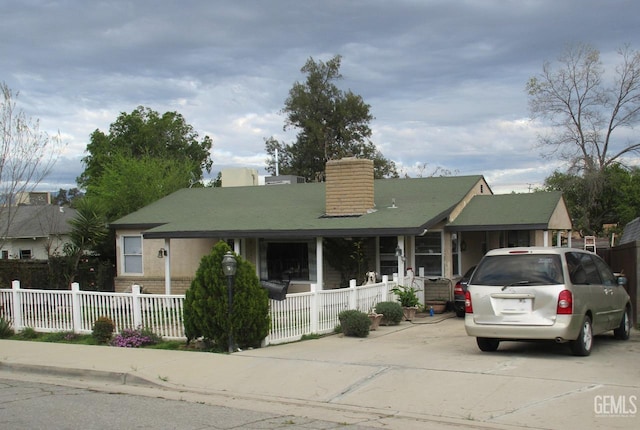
[353,302]
[314,309]
[385,281]
[75,307]
[17,305]
[137,308]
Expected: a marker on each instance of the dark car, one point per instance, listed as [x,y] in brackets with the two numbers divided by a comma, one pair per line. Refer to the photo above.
[459,290]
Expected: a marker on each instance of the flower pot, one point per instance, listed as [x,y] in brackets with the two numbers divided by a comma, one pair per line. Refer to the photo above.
[375,320]
[409,312]
[438,306]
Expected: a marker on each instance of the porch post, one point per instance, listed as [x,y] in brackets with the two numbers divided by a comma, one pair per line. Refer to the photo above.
[319,260]
[401,259]
[545,235]
[236,246]
[167,267]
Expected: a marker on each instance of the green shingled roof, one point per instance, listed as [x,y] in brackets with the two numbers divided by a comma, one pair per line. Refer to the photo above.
[298,210]
[509,212]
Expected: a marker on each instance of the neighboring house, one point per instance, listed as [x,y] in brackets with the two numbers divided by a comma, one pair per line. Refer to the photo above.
[34,231]
[439,226]
[631,232]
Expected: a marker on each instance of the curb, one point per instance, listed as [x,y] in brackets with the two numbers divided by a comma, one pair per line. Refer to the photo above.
[120,378]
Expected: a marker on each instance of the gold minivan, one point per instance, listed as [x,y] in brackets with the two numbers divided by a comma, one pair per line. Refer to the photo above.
[562,294]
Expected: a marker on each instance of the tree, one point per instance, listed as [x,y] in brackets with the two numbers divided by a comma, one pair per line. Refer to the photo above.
[206,303]
[144,133]
[591,120]
[331,124]
[619,202]
[66,197]
[583,111]
[128,184]
[26,154]
[88,231]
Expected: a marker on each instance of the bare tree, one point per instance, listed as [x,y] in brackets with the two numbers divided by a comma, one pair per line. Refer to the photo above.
[26,155]
[584,109]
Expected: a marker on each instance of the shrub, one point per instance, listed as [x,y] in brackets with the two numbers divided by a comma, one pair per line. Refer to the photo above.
[103,329]
[206,307]
[135,338]
[392,312]
[354,323]
[5,328]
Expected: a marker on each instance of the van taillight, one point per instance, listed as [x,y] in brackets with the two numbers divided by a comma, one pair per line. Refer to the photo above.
[468,308]
[565,303]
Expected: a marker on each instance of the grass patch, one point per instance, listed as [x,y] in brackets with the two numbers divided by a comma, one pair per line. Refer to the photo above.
[55,337]
[310,336]
[168,344]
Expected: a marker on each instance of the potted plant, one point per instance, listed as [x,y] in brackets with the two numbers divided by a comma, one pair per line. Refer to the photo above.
[409,301]
[437,305]
[375,318]
[391,312]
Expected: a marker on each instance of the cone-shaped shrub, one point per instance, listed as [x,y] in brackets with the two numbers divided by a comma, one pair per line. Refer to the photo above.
[206,303]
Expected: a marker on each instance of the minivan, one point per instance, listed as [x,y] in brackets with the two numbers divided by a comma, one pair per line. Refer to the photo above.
[536,293]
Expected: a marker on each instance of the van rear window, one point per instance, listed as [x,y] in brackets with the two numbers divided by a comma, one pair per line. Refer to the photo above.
[519,269]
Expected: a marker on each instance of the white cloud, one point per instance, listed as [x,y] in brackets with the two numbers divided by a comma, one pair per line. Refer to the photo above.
[445,80]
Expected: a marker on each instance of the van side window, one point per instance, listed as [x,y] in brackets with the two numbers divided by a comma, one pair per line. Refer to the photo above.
[582,269]
[608,278]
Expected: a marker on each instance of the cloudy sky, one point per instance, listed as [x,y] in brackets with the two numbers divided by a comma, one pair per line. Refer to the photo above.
[445,79]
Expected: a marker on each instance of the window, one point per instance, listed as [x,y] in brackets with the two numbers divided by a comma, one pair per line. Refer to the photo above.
[132,254]
[25,254]
[428,251]
[516,238]
[519,270]
[5,255]
[455,254]
[582,269]
[287,261]
[608,278]
[388,259]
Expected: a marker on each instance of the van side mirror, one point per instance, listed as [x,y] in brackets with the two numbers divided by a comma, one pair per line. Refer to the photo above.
[622,281]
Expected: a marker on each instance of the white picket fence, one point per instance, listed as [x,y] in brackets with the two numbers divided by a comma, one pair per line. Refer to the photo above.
[315,312]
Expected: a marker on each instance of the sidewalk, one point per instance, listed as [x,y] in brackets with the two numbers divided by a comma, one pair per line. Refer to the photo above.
[400,376]
[267,379]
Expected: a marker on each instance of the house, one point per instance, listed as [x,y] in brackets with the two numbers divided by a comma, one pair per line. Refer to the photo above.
[438,226]
[34,231]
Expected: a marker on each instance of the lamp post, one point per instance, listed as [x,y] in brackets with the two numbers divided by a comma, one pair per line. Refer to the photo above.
[229,268]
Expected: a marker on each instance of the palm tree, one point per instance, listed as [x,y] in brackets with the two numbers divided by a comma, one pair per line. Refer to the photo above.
[88,230]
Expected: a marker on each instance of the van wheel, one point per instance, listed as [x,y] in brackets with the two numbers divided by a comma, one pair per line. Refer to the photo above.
[582,345]
[487,344]
[624,330]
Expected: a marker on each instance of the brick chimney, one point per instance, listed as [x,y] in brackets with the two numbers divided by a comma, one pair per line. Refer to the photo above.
[349,187]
